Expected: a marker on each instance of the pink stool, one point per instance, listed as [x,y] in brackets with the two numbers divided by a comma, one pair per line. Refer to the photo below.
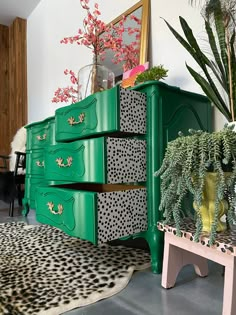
[181,251]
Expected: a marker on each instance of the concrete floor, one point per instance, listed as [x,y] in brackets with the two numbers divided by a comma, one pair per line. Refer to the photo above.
[145,296]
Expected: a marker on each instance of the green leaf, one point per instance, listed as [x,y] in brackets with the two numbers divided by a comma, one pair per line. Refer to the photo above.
[210,93]
[233,67]
[220,31]
[192,47]
[199,56]
[182,41]
[216,54]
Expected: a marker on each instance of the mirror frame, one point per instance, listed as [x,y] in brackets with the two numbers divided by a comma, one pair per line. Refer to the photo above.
[145,18]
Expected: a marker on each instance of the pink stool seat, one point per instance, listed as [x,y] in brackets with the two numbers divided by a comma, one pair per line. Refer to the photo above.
[181,251]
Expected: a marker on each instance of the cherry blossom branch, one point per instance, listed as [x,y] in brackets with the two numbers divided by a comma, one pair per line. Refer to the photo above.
[100,37]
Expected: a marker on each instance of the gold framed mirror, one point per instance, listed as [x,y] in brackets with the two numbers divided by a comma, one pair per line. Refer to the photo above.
[141,11]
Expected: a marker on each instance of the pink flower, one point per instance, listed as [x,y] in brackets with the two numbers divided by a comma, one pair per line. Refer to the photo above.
[111,39]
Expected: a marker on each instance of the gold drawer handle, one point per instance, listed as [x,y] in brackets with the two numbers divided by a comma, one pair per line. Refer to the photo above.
[59,211]
[43,137]
[71,120]
[40,164]
[61,164]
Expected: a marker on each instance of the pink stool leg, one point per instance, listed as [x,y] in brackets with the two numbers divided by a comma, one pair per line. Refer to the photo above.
[229,299]
[175,258]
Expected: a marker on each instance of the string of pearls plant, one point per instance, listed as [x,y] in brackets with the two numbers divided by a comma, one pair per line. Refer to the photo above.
[186,163]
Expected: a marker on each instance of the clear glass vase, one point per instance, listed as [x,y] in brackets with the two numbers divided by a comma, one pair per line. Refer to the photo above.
[94,78]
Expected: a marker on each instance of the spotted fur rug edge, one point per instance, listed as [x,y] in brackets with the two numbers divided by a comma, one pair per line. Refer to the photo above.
[43,271]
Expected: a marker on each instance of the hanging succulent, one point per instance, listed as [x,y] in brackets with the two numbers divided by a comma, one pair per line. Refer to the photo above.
[186,165]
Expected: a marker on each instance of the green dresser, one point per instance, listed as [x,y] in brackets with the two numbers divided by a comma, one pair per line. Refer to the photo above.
[97,170]
[39,136]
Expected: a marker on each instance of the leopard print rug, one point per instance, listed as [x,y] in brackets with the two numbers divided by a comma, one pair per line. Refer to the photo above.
[45,271]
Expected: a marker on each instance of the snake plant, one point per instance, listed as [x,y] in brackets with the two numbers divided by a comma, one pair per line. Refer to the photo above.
[218,78]
[192,157]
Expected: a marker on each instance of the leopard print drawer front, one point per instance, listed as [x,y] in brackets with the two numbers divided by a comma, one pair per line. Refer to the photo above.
[121,213]
[126,160]
[132,111]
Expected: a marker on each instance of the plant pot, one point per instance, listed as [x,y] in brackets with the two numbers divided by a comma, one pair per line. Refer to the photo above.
[207,210]
[232,123]
[94,78]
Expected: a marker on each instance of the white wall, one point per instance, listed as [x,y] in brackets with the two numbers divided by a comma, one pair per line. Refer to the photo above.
[47,58]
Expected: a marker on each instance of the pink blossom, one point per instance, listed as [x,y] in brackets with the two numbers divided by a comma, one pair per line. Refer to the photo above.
[112,38]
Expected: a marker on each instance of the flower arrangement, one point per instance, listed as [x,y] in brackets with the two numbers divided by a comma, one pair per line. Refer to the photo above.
[90,36]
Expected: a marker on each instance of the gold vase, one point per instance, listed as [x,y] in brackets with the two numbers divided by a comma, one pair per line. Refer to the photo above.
[207,209]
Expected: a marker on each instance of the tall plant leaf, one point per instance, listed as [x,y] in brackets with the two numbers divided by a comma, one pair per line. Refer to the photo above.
[220,30]
[216,54]
[233,67]
[182,41]
[203,60]
[207,89]
[197,54]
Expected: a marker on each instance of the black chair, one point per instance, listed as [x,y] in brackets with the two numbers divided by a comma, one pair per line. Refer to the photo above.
[11,183]
[19,180]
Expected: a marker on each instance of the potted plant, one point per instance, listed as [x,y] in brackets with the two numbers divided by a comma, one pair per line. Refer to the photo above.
[218,78]
[154,74]
[203,165]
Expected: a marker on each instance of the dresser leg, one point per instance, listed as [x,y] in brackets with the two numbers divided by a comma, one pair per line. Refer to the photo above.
[25,210]
[155,239]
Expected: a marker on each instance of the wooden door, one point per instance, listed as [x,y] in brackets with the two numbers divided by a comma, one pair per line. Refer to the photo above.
[13,81]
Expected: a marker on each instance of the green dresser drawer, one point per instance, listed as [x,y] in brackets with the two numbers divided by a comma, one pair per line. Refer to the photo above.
[114,110]
[41,134]
[31,183]
[99,160]
[95,216]
[35,162]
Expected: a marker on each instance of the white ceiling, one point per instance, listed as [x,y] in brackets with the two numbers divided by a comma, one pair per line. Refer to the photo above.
[10,9]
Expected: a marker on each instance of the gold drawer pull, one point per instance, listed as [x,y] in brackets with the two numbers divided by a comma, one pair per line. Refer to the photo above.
[40,164]
[50,205]
[71,120]
[61,164]
[43,137]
